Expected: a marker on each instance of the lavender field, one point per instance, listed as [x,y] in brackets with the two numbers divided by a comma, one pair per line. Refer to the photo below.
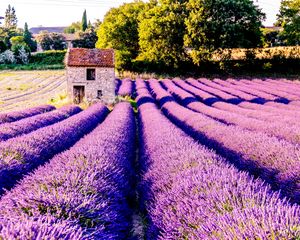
[188,159]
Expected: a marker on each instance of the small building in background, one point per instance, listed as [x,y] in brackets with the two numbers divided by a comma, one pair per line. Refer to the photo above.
[91,75]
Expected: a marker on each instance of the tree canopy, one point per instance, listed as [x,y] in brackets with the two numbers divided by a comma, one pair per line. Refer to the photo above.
[86,39]
[51,41]
[161,33]
[119,30]
[28,39]
[74,27]
[10,19]
[217,24]
[84,23]
[289,19]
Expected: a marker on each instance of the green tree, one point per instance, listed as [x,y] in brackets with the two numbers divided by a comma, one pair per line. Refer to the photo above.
[84,23]
[10,19]
[7,33]
[17,40]
[119,31]
[271,37]
[44,39]
[161,33]
[58,41]
[28,39]
[51,41]
[97,24]
[21,53]
[73,28]
[217,24]
[86,39]
[289,19]
[3,46]
[90,25]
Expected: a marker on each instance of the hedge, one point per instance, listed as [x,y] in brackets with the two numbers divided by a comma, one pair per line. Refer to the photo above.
[51,57]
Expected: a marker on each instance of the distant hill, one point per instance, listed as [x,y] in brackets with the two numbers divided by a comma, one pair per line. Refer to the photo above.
[36,30]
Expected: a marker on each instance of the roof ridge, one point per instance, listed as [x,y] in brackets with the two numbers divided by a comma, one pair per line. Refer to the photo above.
[85,57]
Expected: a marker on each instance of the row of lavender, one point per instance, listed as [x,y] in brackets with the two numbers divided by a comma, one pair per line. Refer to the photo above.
[21,154]
[254,151]
[82,193]
[87,188]
[269,92]
[188,192]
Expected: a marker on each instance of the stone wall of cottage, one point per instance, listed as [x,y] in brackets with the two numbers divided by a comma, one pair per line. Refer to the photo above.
[105,81]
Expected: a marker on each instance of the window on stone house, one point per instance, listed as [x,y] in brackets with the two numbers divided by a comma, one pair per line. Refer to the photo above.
[99,94]
[91,74]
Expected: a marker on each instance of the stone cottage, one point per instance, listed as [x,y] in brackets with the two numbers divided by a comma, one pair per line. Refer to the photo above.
[91,75]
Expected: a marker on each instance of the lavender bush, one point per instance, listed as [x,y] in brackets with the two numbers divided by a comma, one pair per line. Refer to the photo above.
[199,196]
[126,88]
[17,115]
[86,188]
[283,115]
[225,87]
[221,94]
[9,130]
[41,228]
[270,90]
[266,96]
[251,151]
[20,155]
[278,129]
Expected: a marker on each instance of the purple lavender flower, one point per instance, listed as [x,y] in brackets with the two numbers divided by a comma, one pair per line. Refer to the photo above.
[277,129]
[86,188]
[22,154]
[126,88]
[17,115]
[26,125]
[188,192]
[255,152]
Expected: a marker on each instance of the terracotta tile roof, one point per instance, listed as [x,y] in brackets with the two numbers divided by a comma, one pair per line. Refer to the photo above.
[83,57]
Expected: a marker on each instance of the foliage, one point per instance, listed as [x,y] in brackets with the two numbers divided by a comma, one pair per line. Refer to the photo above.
[7,33]
[22,53]
[48,57]
[222,24]
[289,19]
[97,24]
[3,46]
[28,39]
[44,39]
[84,24]
[58,41]
[10,19]
[51,41]
[74,27]
[17,40]
[31,67]
[86,39]
[258,61]
[161,33]
[119,31]
[272,38]
[7,57]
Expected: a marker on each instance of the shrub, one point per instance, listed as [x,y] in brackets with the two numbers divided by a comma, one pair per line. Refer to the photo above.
[22,53]
[51,57]
[7,57]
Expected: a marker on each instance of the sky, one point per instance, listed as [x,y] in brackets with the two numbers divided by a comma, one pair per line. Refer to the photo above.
[55,13]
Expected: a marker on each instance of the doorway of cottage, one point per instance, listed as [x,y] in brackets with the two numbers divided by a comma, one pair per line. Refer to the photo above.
[78,94]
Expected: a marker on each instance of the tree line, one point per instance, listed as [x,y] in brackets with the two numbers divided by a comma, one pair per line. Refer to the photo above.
[16,44]
[173,33]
